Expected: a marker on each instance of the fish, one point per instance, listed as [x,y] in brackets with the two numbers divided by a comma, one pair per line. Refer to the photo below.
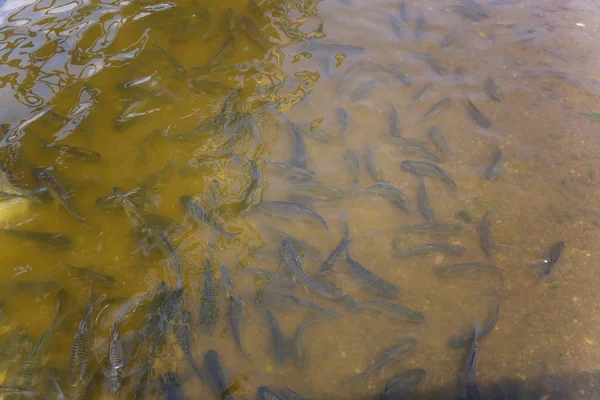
[471,10]
[395,129]
[208,303]
[434,229]
[79,152]
[13,347]
[215,373]
[342,115]
[89,274]
[230,17]
[402,384]
[130,208]
[437,108]
[299,153]
[470,387]
[277,339]
[115,362]
[372,165]
[57,241]
[430,248]
[423,199]
[254,192]
[14,391]
[339,251]
[249,27]
[178,69]
[369,281]
[183,333]
[492,90]
[338,48]
[271,277]
[298,345]
[485,233]
[291,171]
[430,170]
[350,74]
[554,259]
[421,26]
[293,264]
[397,72]
[170,387]
[202,85]
[454,270]
[352,164]
[235,317]
[450,37]
[319,190]
[362,89]
[396,311]
[394,194]
[313,132]
[494,171]
[284,209]
[264,393]
[3,319]
[440,142]
[464,340]
[227,283]
[255,8]
[288,302]
[433,62]
[396,26]
[477,115]
[132,110]
[48,182]
[166,247]
[201,216]
[298,243]
[291,395]
[390,355]
[404,11]
[421,93]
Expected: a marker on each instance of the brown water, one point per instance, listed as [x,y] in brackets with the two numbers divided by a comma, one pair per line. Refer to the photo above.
[78,60]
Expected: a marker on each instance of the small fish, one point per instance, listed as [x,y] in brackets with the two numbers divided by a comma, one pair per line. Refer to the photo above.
[554,259]
[429,169]
[250,28]
[485,233]
[477,115]
[264,393]
[437,108]
[14,391]
[200,84]
[271,277]
[396,311]
[208,302]
[235,317]
[200,215]
[319,190]
[434,229]
[298,243]
[495,169]
[170,387]
[47,181]
[390,355]
[115,363]
[372,165]
[421,93]
[396,26]
[291,171]
[298,345]
[338,48]
[394,123]
[402,384]
[360,92]
[3,319]
[289,302]
[423,199]
[57,241]
[454,270]
[216,376]
[225,50]
[433,62]
[284,209]
[371,282]
[299,153]
[161,240]
[430,248]
[178,70]
[313,132]
[79,152]
[394,194]
[227,283]
[492,89]
[277,339]
[89,274]
[435,134]
[404,11]
[339,251]
[183,333]
[471,389]
[464,340]
[342,115]
[230,18]
[133,110]
[13,347]
[353,165]
[397,72]
[421,26]
[350,74]
[471,10]
[254,192]
[450,37]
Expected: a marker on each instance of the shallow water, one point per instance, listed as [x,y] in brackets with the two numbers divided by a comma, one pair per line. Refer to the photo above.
[83,61]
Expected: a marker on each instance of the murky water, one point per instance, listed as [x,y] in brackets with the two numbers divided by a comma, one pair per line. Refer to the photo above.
[200,98]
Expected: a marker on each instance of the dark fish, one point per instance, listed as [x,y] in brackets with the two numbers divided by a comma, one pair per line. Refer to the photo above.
[350,74]
[423,199]
[57,241]
[353,165]
[254,192]
[235,317]
[397,72]
[339,251]
[437,108]
[371,282]
[299,244]
[421,26]
[200,215]
[230,15]
[434,229]
[429,169]
[313,132]
[47,181]
[115,362]
[227,283]
[394,194]
[13,347]
[284,209]
[485,233]
[291,395]
[395,130]
[170,387]
[208,303]
[554,259]
[433,62]
[440,142]
[464,340]
[342,115]
[404,11]
[291,171]
[402,384]
[299,154]
[250,28]
[396,311]
[372,165]
[3,319]
[359,93]
[492,89]
[78,152]
[159,239]
[178,70]
[298,345]
[7,391]
[471,389]
[183,333]
[288,302]
[338,48]
[421,93]
[477,115]
[396,26]
[319,190]
[200,84]
[495,169]
[430,248]
[451,271]
[391,355]
[271,277]
[450,37]
[216,376]
[89,274]
[471,10]
[264,393]
[277,339]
